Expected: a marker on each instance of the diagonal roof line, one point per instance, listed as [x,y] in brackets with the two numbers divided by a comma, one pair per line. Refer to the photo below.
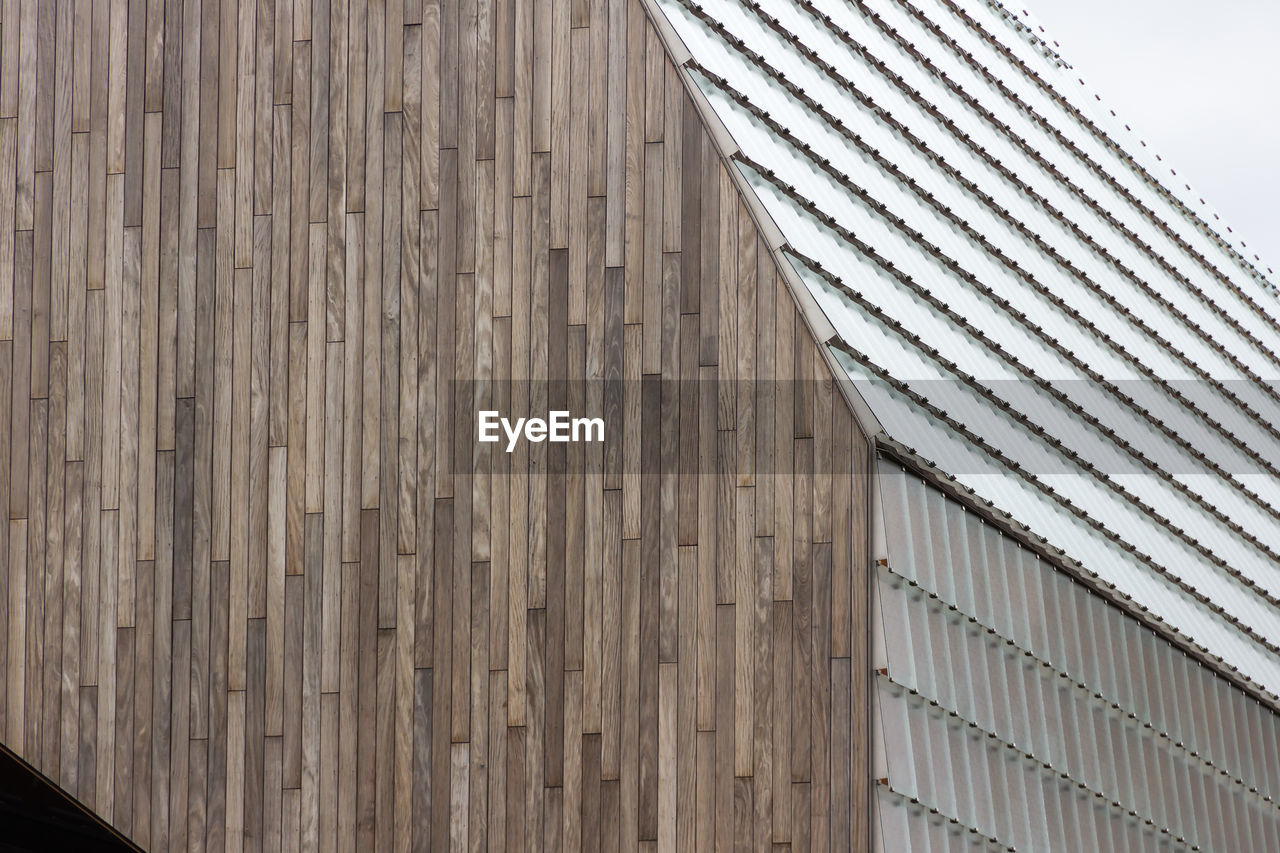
[1023,144]
[1101,134]
[946,212]
[928,470]
[816,322]
[823,332]
[1053,494]
[1057,444]
[1021,185]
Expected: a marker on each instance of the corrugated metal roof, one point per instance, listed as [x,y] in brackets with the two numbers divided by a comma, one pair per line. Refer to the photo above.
[1016,294]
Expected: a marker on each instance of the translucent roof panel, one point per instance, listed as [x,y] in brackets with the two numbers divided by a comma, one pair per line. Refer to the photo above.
[1021,298]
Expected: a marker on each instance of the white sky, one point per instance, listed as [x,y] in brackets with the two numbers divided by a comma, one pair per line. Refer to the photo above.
[1199,80]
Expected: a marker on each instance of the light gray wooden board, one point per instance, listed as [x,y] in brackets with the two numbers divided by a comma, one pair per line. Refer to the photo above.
[284,597]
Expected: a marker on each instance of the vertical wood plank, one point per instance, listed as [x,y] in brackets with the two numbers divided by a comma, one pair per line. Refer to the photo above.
[262,589]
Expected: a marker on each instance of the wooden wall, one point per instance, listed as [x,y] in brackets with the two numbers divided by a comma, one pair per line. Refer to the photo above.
[262,589]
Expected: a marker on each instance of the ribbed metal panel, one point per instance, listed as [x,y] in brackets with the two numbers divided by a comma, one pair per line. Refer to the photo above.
[905,824]
[1094,643]
[1058,721]
[989,644]
[1004,792]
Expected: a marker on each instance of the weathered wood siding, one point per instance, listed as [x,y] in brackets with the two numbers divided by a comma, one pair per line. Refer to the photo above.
[262,588]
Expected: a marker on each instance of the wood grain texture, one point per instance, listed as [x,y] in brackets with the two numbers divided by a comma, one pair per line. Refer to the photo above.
[262,589]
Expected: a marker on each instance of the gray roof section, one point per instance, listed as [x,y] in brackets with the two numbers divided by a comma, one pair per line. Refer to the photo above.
[1014,293]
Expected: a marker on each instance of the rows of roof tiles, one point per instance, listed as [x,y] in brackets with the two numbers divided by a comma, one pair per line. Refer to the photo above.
[967,222]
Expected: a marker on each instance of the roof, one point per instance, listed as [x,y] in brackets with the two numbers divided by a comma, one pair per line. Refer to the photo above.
[1016,295]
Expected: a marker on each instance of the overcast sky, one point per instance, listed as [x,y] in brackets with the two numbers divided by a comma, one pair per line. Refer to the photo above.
[1200,82]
